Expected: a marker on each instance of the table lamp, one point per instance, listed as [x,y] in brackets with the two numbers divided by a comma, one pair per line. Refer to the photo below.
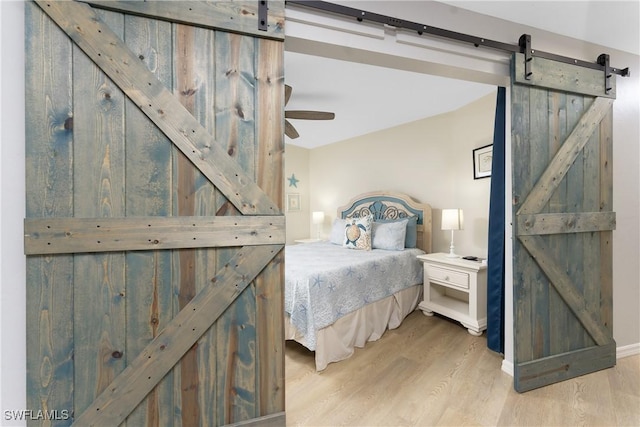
[452,219]
[318,218]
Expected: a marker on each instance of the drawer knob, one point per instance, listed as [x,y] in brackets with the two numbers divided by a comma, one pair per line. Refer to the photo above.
[446,278]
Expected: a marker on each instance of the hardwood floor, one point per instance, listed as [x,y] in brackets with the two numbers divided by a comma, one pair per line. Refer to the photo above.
[430,371]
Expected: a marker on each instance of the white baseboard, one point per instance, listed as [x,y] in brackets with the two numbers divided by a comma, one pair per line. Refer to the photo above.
[628,350]
[625,351]
[507,366]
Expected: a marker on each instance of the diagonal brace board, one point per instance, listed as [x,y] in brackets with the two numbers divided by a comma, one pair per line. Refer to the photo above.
[565,157]
[565,287]
[83,235]
[127,390]
[107,50]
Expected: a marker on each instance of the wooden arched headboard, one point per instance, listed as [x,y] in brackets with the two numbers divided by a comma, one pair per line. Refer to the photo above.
[391,205]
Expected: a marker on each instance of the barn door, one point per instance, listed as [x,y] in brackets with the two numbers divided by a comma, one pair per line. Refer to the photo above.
[154,231]
[563,220]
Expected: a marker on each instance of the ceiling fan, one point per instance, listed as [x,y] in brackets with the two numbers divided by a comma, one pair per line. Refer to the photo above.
[289,130]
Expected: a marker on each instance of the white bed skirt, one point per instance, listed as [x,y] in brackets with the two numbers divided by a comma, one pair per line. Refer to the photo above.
[338,341]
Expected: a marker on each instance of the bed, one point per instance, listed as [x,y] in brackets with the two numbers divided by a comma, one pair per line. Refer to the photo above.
[338,298]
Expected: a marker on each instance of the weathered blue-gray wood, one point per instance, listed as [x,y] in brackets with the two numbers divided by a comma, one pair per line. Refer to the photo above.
[521,184]
[161,355]
[556,131]
[270,176]
[558,223]
[83,235]
[236,16]
[591,240]
[562,257]
[156,101]
[49,193]
[99,176]
[605,255]
[569,292]
[542,293]
[195,88]
[548,370]
[150,295]
[232,370]
[576,107]
[562,77]
[235,132]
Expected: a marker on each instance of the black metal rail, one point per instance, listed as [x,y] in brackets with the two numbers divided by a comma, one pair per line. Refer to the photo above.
[523,47]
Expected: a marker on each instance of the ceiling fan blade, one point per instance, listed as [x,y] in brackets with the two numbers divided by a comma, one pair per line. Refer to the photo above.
[290,131]
[309,115]
[287,93]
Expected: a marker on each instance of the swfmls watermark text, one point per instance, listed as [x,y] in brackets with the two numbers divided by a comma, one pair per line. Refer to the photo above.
[36,415]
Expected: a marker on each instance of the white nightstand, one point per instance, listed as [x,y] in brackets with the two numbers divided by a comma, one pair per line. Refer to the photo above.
[307,240]
[456,288]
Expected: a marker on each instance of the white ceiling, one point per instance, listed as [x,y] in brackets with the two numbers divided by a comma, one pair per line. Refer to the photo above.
[360,96]
[615,24]
[361,103]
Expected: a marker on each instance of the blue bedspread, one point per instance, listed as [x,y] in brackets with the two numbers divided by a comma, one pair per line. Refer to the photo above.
[325,281]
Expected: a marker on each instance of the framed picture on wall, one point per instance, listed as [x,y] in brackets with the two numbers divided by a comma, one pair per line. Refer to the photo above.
[482,160]
[293,202]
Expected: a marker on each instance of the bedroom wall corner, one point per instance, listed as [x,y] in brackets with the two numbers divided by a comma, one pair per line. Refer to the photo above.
[297,185]
[429,159]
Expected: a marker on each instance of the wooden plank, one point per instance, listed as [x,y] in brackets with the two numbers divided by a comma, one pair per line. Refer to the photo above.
[565,157]
[159,104]
[557,130]
[575,335]
[49,184]
[235,94]
[81,235]
[557,223]
[153,363]
[150,294]
[194,52]
[563,284]
[538,373]
[184,72]
[541,148]
[99,175]
[270,177]
[606,204]
[564,77]
[228,340]
[236,16]
[590,242]
[523,269]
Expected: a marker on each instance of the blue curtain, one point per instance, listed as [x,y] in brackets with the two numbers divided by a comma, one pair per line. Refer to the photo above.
[495,261]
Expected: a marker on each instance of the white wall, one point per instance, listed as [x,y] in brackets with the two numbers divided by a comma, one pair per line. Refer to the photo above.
[430,160]
[297,165]
[12,211]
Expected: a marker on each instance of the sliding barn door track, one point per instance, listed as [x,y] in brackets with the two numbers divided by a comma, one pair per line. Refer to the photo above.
[523,46]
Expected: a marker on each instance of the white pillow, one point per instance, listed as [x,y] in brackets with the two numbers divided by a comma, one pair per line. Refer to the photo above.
[337,231]
[357,233]
[389,235]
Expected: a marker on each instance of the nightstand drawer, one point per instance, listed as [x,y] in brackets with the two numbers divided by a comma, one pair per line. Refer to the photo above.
[449,277]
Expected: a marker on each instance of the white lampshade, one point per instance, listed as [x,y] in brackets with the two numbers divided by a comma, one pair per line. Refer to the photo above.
[317,217]
[452,219]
